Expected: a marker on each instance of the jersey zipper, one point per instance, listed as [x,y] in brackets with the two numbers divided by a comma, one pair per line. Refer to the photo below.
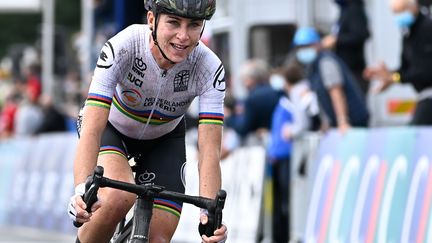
[163,75]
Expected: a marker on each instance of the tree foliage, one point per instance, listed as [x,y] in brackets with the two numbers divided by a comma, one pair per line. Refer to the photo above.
[25,28]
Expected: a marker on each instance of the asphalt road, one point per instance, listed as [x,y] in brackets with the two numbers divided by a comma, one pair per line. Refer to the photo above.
[28,235]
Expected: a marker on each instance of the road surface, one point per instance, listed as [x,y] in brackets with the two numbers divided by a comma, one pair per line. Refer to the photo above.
[29,235]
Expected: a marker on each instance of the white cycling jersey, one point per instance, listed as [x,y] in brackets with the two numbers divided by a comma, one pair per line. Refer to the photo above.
[146,101]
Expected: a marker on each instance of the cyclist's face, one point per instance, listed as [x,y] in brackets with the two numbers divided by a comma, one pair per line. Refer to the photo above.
[177,36]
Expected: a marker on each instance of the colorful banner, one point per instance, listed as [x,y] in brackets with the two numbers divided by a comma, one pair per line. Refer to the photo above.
[372,186]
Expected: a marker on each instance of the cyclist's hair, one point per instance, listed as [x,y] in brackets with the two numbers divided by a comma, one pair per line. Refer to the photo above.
[192,9]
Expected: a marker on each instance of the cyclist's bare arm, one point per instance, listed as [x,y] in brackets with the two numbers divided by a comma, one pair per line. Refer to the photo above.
[209,147]
[94,121]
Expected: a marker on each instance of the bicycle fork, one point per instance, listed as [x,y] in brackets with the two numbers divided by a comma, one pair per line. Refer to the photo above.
[141,220]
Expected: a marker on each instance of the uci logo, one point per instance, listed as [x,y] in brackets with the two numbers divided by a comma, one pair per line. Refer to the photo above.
[135,80]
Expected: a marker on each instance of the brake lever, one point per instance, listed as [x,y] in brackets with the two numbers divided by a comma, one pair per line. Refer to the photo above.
[214,216]
[91,189]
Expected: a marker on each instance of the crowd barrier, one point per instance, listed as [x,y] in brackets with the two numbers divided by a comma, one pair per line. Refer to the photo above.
[371,186]
[36,182]
[364,186]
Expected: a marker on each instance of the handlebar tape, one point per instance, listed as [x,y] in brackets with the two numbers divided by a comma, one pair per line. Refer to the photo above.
[92,187]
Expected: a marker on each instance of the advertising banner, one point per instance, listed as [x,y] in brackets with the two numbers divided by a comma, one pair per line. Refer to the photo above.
[372,186]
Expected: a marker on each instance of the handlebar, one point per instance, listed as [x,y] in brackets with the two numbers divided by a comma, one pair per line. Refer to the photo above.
[214,215]
[91,188]
[213,206]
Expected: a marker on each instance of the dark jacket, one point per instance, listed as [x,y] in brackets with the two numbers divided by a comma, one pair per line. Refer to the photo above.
[352,35]
[356,105]
[416,60]
[258,110]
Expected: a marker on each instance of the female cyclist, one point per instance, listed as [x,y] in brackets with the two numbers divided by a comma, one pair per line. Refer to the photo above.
[144,81]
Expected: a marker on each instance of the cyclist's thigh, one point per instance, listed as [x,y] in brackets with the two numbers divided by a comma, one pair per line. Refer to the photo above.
[163,225]
[115,203]
[112,156]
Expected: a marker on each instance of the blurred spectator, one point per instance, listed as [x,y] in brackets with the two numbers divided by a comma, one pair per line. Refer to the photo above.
[6,86]
[254,116]
[303,98]
[348,38]
[292,116]
[416,58]
[7,115]
[29,114]
[338,93]
[230,138]
[53,120]
[32,79]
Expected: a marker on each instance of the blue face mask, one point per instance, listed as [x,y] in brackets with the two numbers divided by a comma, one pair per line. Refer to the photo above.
[405,19]
[306,55]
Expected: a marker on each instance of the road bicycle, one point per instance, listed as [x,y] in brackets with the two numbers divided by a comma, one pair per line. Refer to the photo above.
[136,230]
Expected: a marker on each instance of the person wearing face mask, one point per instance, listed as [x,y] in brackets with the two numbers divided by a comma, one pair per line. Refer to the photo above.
[416,58]
[339,95]
[348,37]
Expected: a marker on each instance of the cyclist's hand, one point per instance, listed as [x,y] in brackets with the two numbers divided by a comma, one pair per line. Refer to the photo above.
[219,235]
[77,208]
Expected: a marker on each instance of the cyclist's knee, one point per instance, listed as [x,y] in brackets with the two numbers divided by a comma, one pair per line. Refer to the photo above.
[159,237]
[163,226]
[117,203]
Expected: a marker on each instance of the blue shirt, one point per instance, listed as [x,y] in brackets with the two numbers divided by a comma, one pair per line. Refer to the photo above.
[280,148]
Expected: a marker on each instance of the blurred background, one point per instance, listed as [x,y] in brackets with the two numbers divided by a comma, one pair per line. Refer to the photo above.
[49,48]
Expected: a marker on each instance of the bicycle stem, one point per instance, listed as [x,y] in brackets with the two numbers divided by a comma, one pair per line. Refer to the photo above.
[141,221]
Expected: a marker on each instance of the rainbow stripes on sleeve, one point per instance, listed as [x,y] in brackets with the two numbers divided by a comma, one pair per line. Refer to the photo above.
[98,100]
[211,118]
[112,150]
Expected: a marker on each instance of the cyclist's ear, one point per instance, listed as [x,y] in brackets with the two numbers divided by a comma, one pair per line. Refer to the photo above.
[150,19]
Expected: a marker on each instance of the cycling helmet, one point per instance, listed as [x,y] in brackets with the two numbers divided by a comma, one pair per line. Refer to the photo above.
[193,9]
[306,36]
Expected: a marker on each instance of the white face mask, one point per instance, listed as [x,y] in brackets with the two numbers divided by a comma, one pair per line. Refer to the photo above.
[277,82]
[306,55]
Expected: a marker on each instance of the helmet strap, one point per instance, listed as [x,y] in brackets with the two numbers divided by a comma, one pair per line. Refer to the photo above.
[155,39]
[202,31]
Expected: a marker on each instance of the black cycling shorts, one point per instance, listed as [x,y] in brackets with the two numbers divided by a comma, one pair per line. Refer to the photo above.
[160,161]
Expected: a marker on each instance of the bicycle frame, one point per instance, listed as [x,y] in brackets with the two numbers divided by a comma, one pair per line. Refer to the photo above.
[146,194]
